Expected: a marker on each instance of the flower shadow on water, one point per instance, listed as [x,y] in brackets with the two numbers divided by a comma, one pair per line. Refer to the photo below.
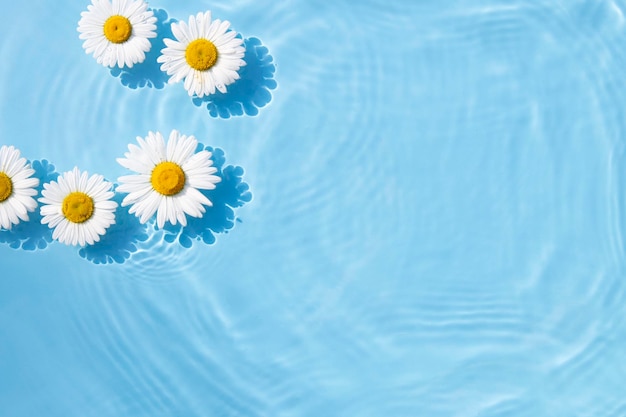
[120,240]
[228,194]
[148,73]
[251,91]
[32,234]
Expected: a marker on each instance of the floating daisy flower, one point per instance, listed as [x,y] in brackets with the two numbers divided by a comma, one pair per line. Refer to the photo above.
[117,31]
[78,207]
[17,187]
[205,54]
[168,180]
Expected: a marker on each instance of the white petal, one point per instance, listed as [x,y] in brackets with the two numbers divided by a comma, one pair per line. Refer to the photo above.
[106,53]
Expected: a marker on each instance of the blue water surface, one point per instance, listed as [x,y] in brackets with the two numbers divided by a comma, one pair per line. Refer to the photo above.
[423,216]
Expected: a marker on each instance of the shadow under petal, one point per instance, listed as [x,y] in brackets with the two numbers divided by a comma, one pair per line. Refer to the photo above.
[120,240]
[32,234]
[148,73]
[251,92]
[230,193]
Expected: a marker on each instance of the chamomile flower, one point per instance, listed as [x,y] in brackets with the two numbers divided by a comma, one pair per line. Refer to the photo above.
[116,32]
[17,187]
[78,207]
[168,178]
[205,54]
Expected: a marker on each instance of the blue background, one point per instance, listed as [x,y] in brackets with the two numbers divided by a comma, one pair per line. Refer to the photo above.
[436,226]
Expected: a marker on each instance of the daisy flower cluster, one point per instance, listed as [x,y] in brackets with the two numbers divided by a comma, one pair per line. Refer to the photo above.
[170,180]
[167,182]
[205,54]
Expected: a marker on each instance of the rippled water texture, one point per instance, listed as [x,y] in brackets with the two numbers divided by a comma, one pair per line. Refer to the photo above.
[436,228]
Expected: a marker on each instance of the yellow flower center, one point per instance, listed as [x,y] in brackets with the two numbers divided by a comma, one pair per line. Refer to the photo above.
[201,54]
[117,29]
[78,207]
[167,178]
[6,187]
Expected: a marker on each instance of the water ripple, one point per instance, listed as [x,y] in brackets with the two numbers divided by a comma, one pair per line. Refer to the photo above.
[437,226]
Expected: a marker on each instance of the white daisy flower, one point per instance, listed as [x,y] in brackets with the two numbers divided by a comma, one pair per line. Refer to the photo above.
[169,177]
[117,31]
[78,207]
[205,54]
[17,187]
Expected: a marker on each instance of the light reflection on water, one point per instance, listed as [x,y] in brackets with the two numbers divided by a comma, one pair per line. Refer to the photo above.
[436,229]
